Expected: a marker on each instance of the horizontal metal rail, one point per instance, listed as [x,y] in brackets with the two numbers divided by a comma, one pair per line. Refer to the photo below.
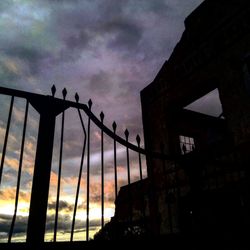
[85,108]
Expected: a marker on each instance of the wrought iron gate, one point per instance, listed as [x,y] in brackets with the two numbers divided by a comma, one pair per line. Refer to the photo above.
[48,108]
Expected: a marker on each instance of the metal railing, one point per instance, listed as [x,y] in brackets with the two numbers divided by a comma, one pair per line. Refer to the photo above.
[49,107]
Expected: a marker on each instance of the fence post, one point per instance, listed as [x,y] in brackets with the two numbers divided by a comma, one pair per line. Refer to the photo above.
[48,108]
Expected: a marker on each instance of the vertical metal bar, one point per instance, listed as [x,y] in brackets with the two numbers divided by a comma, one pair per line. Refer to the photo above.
[102,172]
[127,149]
[41,179]
[143,209]
[79,178]
[138,139]
[88,163]
[6,138]
[48,108]
[129,188]
[19,172]
[128,165]
[59,177]
[139,155]
[88,168]
[115,161]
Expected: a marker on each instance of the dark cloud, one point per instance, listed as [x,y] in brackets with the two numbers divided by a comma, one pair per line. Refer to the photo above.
[96,198]
[20,225]
[8,78]
[125,34]
[31,56]
[64,224]
[63,205]
[77,41]
[100,83]
[158,7]
[28,54]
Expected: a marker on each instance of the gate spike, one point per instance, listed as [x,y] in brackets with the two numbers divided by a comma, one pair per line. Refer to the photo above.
[53,90]
[90,103]
[126,134]
[102,116]
[64,92]
[77,97]
[138,139]
[114,126]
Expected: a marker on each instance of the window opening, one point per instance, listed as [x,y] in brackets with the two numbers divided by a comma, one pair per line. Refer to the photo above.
[187,144]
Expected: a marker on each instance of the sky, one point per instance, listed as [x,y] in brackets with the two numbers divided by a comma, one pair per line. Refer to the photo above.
[104,50]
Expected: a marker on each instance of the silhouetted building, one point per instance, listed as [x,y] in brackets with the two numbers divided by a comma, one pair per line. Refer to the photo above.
[202,187]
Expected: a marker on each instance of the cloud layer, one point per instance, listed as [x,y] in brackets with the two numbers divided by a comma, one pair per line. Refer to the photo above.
[105,50]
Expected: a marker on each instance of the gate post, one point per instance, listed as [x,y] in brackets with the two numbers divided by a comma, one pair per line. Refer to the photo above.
[48,108]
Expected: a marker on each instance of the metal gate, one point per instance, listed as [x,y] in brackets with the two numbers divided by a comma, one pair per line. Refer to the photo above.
[49,108]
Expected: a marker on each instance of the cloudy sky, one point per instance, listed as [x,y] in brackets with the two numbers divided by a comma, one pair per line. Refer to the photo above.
[104,50]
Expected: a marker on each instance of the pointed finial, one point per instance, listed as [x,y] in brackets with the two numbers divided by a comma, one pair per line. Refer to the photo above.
[102,116]
[138,139]
[126,134]
[114,126]
[90,103]
[77,97]
[64,92]
[53,90]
